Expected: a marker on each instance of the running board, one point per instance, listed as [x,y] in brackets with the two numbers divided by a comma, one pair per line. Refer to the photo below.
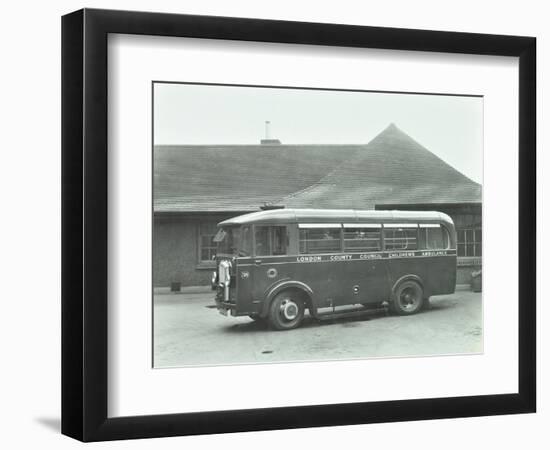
[348,314]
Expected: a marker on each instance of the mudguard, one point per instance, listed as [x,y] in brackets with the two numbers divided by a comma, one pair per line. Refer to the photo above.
[273,290]
[407,277]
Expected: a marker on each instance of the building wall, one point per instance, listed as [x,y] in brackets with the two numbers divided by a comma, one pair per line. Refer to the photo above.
[174,252]
[176,249]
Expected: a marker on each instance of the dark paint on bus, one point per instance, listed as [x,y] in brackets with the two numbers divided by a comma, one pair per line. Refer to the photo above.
[334,279]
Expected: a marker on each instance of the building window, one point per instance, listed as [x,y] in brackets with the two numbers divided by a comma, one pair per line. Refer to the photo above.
[320,240]
[362,239]
[207,246]
[468,242]
[400,238]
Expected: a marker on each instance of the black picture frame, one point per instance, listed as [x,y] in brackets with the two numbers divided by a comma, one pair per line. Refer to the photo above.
[84,224]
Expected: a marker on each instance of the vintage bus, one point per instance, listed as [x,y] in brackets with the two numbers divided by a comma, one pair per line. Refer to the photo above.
[273,265]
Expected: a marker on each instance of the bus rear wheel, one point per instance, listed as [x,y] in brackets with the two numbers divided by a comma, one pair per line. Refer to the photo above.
[286,311]
[409,298]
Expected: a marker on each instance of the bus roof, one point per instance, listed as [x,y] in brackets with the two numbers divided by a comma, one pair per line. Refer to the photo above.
[284,216]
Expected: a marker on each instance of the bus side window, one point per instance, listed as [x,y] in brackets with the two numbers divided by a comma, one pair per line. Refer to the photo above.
[270,240]
[320,240]
[400,238]
[361,239]
[432,237]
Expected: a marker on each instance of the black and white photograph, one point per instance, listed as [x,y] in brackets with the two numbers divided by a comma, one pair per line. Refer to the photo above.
[270,225]
[297,224]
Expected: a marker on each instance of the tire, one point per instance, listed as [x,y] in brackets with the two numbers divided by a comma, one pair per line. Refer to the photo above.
[408,299]
[286,311]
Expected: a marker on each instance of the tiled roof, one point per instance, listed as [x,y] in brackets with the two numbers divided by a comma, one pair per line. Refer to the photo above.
[238,177]
[391,169]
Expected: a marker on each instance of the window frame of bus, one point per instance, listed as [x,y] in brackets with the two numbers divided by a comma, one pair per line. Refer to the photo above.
[270,227]
[377,226]
[426,225]
[445,234]
[394,226]
[339,226]
[382,235]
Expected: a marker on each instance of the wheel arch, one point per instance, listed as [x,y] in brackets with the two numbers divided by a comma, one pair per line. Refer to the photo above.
[272,292]
[408,277]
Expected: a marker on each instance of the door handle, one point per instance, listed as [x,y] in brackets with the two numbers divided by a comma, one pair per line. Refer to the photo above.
[258,262]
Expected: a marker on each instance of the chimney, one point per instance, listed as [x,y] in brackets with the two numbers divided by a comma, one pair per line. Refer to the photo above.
[268,140]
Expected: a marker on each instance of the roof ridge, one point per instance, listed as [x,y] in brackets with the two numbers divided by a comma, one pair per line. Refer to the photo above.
[394,128]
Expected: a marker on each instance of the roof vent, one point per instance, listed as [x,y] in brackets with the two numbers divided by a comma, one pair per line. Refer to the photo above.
[268,140]
[266,207]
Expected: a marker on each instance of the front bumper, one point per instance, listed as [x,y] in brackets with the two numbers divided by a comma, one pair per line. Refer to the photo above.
[226,308]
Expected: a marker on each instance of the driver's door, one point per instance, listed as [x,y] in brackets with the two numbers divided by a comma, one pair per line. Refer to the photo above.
[269,241]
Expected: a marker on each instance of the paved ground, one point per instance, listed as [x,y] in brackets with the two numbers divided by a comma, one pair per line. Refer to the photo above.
[188,330]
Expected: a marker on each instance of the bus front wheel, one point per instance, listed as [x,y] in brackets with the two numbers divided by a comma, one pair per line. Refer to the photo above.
[408,299]
[286,311]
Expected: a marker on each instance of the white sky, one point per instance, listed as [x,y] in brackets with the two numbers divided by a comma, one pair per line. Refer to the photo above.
[449,126]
